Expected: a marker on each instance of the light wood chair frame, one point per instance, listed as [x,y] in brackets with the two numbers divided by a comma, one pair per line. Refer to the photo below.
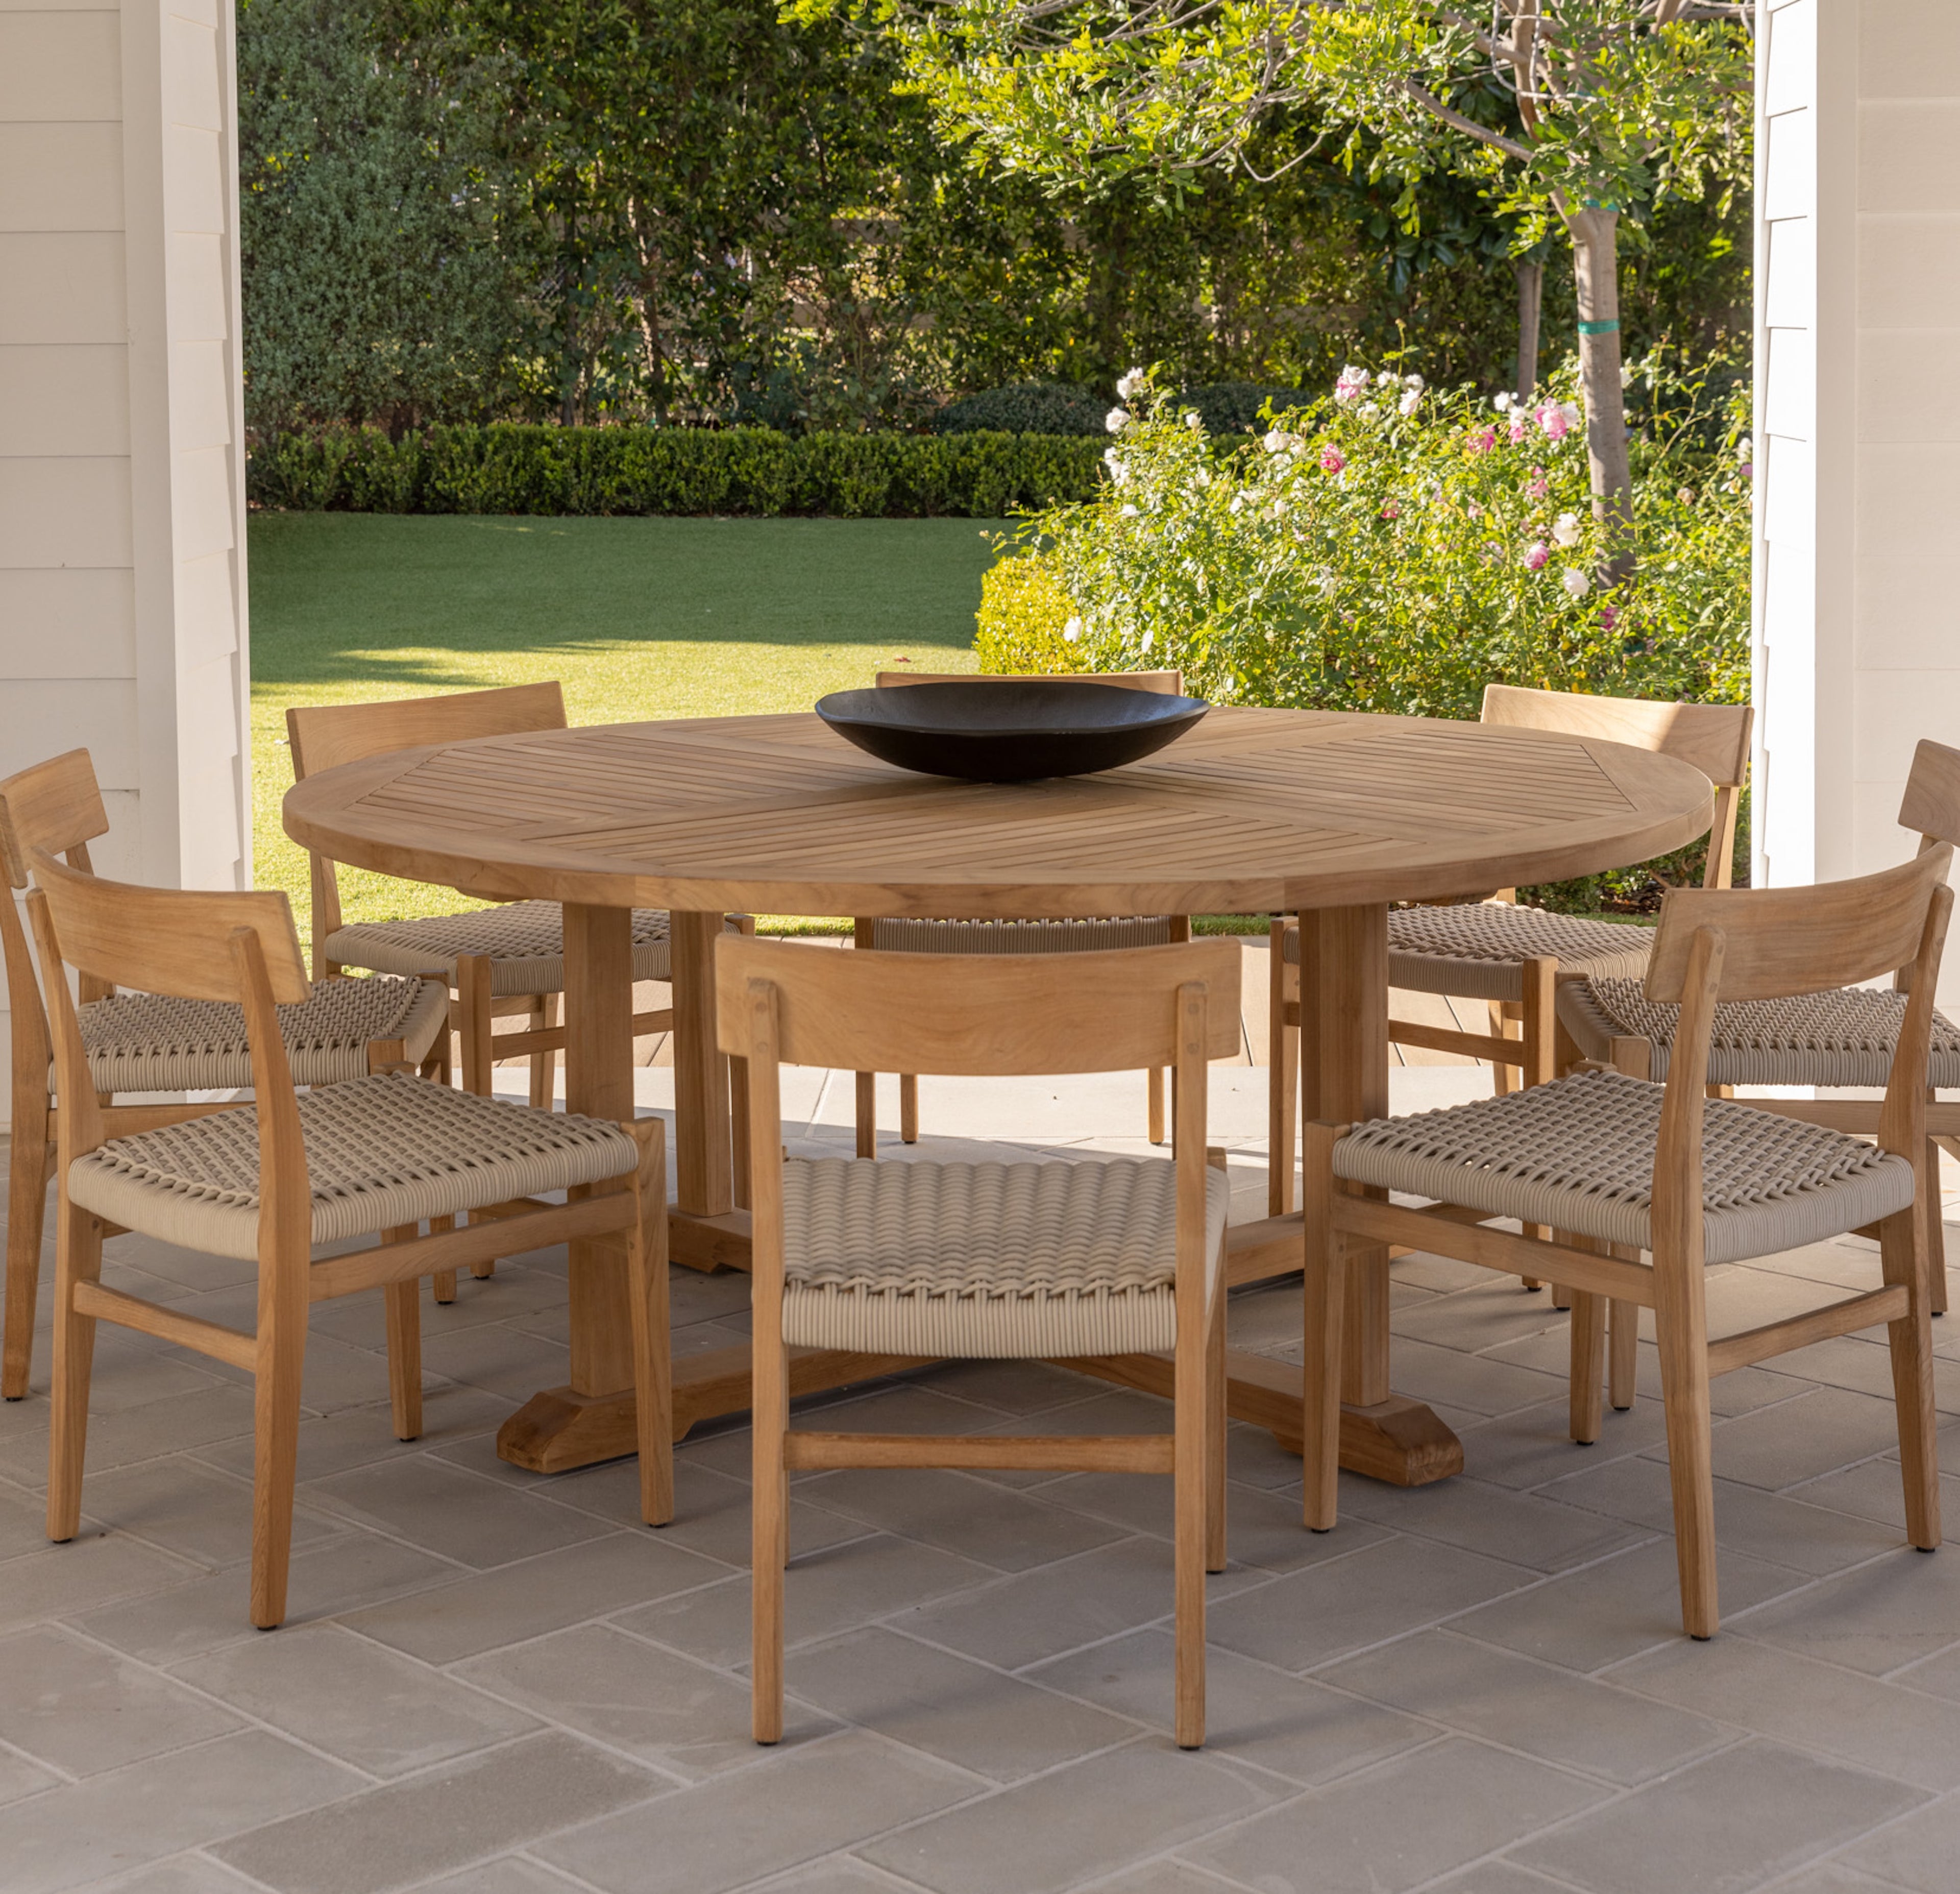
[56,807]
[1714,738]
[1169,683]
[1711,945]
[323,736]
[243,948]
[779,1003]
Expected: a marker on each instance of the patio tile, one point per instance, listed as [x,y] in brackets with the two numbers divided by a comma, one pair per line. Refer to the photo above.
[1873,1489]
[839,1875]
[1167,1877]
[407,1831]
[1075,1824]
[187,1874]
[1427,1371]
[1918,1853]
[1504,1698]
[476,1613]
[91,1569]
[1781,1528]
[1020,1620]
[1261,1529]
[1734,1821]
[204,1613]
[1832,1877]
[493,1356]
[23,1521]
[1898,1608]
[736,1829]
[19,1777]
[1477,1517]
[1396,1826]
[440,1509]
[219,1411]
[655,1705]
[966,1713]
[356,1436]
[1534,1444]
[974,1518]
[1590,1618]
[1818,1429]
[1291,1725]
[160,1807]
[83,1709]
[1401,1585]
[361,1703]
[513,1874]
[187,1509]
[834,1589]
[1493,1310]
[1937,1676]
[1497,1877]
[1795,1700]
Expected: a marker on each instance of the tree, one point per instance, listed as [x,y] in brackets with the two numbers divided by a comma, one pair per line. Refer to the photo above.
[1611,104]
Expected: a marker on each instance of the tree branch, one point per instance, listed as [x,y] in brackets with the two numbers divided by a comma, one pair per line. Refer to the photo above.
[1468,126]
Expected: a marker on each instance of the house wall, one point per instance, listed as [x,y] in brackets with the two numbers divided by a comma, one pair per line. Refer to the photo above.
[122,613]
[1858,415]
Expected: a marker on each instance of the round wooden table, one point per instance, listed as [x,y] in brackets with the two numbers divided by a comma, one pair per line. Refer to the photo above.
[1326,815]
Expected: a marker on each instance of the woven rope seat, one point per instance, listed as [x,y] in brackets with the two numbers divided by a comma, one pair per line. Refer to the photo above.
[155,1043]
[381,1151]
[985,1260]
[1019,936]
[524,939]
[1578,1155]
[1476,950]
[1843,1037]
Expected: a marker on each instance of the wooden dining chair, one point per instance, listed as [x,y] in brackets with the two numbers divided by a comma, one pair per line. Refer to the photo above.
[1842,1039]
[280,1179]
[1509,956]
[148,1042]
[1629,1166]
[935,1259]
[501,961]
[1099,935]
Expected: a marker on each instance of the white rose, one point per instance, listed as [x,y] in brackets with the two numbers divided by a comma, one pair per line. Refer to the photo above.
[1409,403]
[1502,403]
[1072,630]
[1129,384]
[1275,441]
[1567,531]
[1116,420]
[1571,411]
[1414,383]
[1577,583]
[1128,511]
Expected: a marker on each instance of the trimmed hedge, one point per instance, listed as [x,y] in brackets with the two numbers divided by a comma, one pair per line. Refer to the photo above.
[505,468]
[1025,407]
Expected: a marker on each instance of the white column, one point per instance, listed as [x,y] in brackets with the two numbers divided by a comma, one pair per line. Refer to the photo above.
[123,614]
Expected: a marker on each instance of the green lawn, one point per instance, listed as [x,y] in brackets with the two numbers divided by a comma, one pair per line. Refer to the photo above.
[637,618]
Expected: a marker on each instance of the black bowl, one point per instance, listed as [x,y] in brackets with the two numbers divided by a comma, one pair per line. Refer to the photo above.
[1010,731]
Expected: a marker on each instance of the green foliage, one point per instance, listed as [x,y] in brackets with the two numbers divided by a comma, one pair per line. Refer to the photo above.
[1390,548]
[1236,407]
[1024,407]
[1023,612]
[517,469]
[375,288]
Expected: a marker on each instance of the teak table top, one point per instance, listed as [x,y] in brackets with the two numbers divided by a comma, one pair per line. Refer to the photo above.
[1256,811]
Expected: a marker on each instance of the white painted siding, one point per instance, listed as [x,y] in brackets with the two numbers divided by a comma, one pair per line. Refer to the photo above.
[123,619]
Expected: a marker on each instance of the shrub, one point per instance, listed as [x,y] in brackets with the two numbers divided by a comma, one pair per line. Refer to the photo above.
[1389,548]
[1027,407]
[1023,616]
[504,468]
[1235,407]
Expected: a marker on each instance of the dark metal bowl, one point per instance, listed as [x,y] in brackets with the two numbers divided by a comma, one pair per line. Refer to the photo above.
[1010,731]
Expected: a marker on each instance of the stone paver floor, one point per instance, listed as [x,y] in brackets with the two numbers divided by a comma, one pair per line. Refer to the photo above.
[494,1684]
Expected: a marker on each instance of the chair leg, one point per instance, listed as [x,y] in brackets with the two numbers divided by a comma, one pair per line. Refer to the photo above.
[908,1108]
[1282,1075]
[475,1023]
[1190,1453]
[1589,1361]
[1325,1283]
[867,1114]
[1503,1078]
[544,1065]
[1681,1323]
[1153,1110]
[1215,1433]
[1936,1233]
[1623,1356]
[769,1517]
[26,1211]
[278,1371]
[78,1259]
[402,1301]
[653,1372]
[1901,1250]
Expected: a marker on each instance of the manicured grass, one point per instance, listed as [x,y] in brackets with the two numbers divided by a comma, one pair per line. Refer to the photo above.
[639,618]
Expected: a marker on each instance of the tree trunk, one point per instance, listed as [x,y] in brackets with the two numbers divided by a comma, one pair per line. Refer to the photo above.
[1596,270]
[1531,297]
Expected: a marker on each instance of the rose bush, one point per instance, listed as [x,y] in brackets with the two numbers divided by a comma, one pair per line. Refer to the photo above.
[1390,547]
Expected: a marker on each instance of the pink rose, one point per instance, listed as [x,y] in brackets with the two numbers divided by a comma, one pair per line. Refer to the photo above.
[1393,510]
[1609,617]
[1520,430]
[1331,460]
[1536,559]
[1482,441]
[1551,418]
[1538,487]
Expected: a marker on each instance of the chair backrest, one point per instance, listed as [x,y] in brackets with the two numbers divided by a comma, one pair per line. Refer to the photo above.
[992,1015]
[324,735]
[1931,801]
[1168,683]
[1712,738]
[240,947]
[55,805]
